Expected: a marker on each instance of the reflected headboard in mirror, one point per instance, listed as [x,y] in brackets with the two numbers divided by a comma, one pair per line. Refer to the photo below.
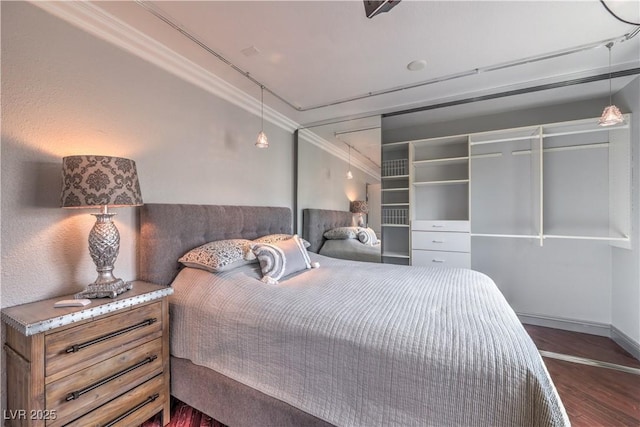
[316,221]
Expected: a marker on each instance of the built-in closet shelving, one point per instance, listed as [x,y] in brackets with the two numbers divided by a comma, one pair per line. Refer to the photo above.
[568,180]
[439,190]
[395,203]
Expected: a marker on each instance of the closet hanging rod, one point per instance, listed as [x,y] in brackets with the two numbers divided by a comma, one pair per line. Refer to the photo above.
[495,141]
[578,132]
[565,148]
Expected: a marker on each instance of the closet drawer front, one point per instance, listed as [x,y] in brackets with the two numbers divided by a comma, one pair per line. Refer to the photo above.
[129,409]
[85,390]
[77,348]
[458,226]
[440,259]
[441,241]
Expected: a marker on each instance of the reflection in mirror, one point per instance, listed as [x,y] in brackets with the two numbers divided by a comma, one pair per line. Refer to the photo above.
[327,154]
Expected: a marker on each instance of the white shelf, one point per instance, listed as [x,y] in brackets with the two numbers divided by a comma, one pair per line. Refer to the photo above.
[395,177]
[395,189]
[395,145]
[395,225]
[446,182]
[394,204]
[396,255]
[449,160]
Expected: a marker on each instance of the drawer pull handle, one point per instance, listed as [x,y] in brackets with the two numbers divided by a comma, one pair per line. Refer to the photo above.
[438,241]
[132,410]
[76,394]
[437,226]
[77,347]
[437,260]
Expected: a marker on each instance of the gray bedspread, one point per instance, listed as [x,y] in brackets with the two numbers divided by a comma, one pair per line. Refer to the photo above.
[351,249]
[383,345]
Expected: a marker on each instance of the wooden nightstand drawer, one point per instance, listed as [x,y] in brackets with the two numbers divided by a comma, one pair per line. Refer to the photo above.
[129,409]
[84,345]
[85,390]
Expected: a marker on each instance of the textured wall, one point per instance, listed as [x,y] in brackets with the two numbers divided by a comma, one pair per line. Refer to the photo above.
[625,305]
[66,92]
[322,182]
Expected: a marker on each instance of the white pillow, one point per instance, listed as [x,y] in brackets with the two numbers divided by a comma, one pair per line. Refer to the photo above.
[342,233]
[270,238]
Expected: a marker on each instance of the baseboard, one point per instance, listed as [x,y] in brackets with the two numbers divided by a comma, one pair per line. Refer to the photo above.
[624,341]
[572,325]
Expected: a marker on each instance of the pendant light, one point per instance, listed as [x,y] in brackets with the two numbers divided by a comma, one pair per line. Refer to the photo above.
[262,141]
[349,174]
[611,114]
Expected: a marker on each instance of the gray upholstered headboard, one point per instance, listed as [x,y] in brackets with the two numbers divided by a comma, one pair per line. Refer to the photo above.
[316,221]
[167,231]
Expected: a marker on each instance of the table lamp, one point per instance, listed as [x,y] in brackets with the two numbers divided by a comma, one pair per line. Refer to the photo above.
[101,182]
[360,208]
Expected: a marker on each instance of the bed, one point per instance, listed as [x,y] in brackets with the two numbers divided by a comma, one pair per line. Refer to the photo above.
[315,222]
[338,344]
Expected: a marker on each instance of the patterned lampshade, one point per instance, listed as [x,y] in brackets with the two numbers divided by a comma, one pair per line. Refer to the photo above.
[359,207]
[89,181]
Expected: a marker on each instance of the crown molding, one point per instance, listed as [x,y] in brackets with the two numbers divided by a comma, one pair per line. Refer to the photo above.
[96,21]
[335,151]
[107,27]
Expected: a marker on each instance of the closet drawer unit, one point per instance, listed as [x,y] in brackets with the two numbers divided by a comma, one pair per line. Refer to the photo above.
[78,347]
[440,259]
[455,226]
[441,241]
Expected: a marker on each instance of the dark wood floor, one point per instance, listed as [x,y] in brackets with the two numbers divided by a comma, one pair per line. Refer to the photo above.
[592,396]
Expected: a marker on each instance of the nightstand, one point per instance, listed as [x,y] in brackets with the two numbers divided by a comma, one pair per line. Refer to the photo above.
[105,364]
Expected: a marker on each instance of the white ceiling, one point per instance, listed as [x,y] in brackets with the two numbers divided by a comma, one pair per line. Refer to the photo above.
[321,52]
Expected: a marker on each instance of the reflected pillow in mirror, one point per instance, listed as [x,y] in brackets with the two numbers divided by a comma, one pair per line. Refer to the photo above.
[341,233]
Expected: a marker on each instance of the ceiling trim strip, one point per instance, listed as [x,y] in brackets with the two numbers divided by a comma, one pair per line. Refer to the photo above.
[522,91]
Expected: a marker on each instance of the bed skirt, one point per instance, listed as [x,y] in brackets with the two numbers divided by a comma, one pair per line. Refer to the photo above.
[231,402]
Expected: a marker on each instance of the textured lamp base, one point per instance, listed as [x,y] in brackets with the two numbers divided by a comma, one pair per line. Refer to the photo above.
[105,290]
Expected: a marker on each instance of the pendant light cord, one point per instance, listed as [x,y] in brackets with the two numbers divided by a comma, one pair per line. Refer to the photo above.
[617,17]
[609,46]
[262,99]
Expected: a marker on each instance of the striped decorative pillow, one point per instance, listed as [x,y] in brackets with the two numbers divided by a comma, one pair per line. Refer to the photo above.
[281,258]
[367,236]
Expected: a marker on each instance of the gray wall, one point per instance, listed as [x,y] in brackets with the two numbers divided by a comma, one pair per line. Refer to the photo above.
[625,297]
[66,92]
[322,182]
[587,282]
